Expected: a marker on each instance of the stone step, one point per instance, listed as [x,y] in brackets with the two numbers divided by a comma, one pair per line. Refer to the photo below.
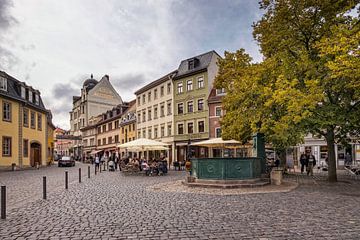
[204,184]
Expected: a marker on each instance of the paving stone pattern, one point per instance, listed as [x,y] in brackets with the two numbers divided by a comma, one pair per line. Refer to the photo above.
[113,206]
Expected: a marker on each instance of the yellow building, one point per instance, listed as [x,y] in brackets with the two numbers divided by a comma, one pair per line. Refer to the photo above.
[128,125]
[23,124]
[50,140]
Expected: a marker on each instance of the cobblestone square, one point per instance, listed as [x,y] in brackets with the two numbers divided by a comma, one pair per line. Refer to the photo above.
[112,206]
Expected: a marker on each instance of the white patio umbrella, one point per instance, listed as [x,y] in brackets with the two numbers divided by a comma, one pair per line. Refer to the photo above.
[144,144]
[217,142]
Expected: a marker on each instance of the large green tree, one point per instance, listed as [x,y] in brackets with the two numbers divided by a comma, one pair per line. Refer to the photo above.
[308,80]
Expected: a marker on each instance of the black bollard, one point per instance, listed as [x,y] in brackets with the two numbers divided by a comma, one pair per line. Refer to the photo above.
[3,202]
[95,169]
[88,171]
[44,187]
[66,179]
[99,167]
[79,175]
[104,167]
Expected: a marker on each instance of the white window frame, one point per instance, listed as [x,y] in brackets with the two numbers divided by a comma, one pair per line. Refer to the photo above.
[216,132]
[189,87]
[220,111]
[198,82]
[3,84]
[180,87]
[23,92]
[30,96]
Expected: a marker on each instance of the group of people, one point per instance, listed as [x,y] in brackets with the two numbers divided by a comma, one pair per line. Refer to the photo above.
[307,160]
[111,161]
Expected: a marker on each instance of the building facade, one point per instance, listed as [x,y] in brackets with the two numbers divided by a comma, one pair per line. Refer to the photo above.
[96,98]
[154,108]
[23,124]
[108,129]
[192,86]
[128,126]
[89,137]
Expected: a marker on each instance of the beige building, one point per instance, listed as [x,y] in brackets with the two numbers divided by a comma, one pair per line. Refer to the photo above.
[89,137]
[154,109]
[95,99]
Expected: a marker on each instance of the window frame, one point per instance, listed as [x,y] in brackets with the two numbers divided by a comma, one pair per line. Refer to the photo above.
[203,122]
[189,85]
[192,106]
[178,108]
[216,108]
[33,123]
[8,111]
[39,121]
[9,154]
[3,84]
[202,82]
[25,147]
[180,88]
[192,127]
[182,128]
[202,104]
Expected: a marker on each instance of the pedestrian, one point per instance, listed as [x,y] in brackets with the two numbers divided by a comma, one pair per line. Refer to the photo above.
[303,159]
[348,159]
[97,162]
[311,162]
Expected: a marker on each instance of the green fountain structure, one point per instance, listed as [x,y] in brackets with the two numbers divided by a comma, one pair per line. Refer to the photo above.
[231,172]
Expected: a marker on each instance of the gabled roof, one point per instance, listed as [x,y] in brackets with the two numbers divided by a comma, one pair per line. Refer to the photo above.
[213,98]
[156,82]
[14,92]
[203,61]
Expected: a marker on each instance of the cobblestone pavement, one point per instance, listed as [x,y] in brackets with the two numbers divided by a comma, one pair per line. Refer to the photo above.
[113,206]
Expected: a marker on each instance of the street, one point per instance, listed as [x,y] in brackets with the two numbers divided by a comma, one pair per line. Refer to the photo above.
[112,206]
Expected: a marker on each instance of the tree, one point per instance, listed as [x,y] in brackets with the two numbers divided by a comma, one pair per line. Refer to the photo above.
[307,82]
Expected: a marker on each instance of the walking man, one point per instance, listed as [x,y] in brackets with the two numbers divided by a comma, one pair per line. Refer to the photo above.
[303,159]
[311,162]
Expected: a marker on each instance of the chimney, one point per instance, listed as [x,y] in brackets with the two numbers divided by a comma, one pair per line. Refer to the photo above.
[107,76]
[91,76]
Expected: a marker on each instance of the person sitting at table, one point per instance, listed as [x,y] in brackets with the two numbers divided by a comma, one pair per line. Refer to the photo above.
[145,167]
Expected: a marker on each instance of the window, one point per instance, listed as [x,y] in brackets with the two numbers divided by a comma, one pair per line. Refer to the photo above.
[99,142]
[116,138]
[30,96]
[200,82]
[155,132]
[6,147]
[162,131]
[139,117]
[104,128]
[162,110]
[26,117]
[180,108]
[149,114]
[75,126]
[190,127]
[3,84]
[92,141]
[139,134]
[200,104]
[122,130]
[155,93]
[138,100]
[144,116]
[143,99]
[189,85]
[169,108]
[99,129]
[169,129]
[201,126]
[116,124]
[110,126]
[144,133]
[149,133]
[109,140]
[181,129]
[104,141]
[180,87]
[168,88]
[218,132]
[26,148]
[23,92]
[6,111]
[32,120]
[220,91]
[190,107]
[162,91]
[191,64]
[218,111]
[155,112]
[37,101]
[39,121]
[149,96]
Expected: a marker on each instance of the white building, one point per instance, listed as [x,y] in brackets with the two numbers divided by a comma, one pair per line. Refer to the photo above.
[96,98]
[154,108]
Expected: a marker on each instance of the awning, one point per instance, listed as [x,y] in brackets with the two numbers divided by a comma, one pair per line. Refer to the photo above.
[96,151]
[217,142]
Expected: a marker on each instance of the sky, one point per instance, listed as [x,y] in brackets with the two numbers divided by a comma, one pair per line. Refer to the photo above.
[54,46]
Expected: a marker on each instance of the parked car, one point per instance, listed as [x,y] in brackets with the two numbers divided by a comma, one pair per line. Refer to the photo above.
[66,161]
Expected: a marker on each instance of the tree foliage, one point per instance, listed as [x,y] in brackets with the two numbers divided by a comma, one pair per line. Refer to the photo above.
[307,82]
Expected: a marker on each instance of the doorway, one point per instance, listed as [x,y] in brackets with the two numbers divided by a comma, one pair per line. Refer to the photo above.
[35,154]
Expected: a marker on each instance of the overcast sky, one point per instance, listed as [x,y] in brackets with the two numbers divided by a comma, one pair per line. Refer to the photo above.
[55,45]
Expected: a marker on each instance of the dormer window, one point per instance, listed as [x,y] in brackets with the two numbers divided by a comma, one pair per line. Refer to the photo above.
[3,84]
[191,64]
[30,96]
[37,102]
[220,91]
[23,92]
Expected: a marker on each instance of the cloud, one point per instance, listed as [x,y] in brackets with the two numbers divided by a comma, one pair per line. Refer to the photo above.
[7,58]
[129,82]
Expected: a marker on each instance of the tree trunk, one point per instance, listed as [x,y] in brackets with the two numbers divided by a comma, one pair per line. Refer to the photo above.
[330,141]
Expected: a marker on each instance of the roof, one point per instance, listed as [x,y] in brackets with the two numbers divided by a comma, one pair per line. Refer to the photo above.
[203,61]
[156,82]
[213,98]
[14,92]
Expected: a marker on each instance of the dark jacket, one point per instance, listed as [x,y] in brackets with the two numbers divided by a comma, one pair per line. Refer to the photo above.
[311,159]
